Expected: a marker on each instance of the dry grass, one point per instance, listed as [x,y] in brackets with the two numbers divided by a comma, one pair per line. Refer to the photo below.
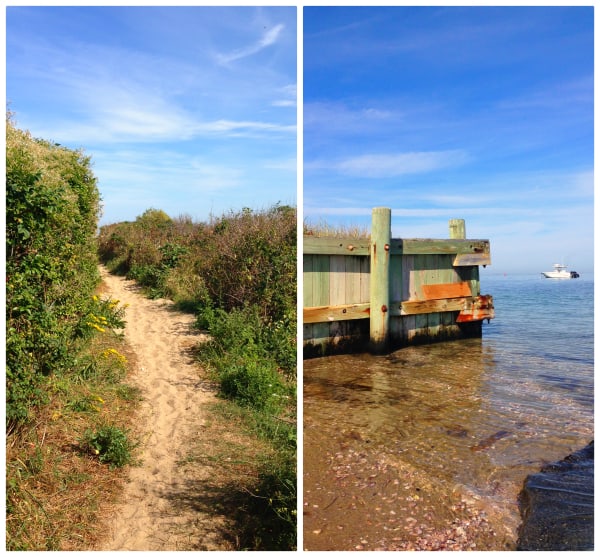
[325,230]
[57,492]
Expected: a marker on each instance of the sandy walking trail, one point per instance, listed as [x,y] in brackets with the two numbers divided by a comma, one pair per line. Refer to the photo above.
[152,517]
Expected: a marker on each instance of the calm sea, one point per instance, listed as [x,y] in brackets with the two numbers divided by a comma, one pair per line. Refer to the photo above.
[544,332]
[472,417]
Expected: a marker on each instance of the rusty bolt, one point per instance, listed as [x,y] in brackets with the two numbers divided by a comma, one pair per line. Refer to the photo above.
[384,308]
[386,247]
[350,247]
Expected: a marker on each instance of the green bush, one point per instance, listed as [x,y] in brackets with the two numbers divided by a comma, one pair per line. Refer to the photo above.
[52,208]
[253,383]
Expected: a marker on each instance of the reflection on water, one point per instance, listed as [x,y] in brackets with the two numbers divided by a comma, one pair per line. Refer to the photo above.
[433,439]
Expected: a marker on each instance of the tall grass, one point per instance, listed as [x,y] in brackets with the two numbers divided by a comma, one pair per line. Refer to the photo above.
[324,229]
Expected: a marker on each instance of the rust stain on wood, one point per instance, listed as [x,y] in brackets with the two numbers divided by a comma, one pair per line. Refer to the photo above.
[482,307]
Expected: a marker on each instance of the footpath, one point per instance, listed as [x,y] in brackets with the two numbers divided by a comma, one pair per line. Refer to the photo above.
[160,508]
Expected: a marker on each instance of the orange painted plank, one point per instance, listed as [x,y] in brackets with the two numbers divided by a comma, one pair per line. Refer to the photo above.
[447,290]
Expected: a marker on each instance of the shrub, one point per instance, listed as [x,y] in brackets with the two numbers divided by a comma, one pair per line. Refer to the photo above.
[253,383]
[52,207]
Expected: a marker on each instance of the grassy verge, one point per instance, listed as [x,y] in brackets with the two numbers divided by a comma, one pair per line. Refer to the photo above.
[241,360]
[60,483]
[244,490]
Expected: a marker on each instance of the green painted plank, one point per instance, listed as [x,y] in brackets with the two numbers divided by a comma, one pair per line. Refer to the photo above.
[337,280]
[396,277]
[335,246]
[424,246]
[352,295]
[365,279]
[307,282]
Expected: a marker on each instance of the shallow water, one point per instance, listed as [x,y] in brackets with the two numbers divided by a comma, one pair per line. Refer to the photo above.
[464,422]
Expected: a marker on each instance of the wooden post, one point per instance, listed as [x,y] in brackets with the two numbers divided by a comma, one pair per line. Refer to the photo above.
[458,230]
[381,233]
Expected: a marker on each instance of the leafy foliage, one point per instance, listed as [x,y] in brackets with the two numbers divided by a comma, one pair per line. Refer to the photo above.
[240,260]
[52,208]
[111,444]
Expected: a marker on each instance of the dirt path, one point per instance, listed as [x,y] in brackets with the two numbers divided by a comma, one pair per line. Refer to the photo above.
[152,516]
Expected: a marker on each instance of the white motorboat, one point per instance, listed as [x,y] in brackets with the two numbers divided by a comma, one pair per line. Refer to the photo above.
[560,272]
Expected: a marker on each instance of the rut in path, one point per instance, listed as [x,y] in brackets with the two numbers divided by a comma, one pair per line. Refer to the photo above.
[152,517]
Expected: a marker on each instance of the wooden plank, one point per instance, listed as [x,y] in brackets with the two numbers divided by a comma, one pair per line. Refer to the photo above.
[396,277]
[420,307]
[307,282]
[470,274]
[399,246]
[425,246]
[335,246]
[325,314]
[408,266]
[320,278]
[480,308]
[433,277]
[468,259]
[352,294]
[337,280]
[365,279]
[446,290]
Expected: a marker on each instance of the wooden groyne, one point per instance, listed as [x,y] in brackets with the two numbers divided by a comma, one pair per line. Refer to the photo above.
[384,293]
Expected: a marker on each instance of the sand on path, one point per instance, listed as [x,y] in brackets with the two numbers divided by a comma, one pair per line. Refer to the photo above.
[172,411]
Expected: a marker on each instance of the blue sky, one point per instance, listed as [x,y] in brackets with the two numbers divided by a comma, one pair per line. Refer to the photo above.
[191,110]
[478,113]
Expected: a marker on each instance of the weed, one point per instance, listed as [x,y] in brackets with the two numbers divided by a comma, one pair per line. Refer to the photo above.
[110,443]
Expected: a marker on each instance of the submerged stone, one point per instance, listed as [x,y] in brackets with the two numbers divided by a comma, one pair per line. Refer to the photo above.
[557,505]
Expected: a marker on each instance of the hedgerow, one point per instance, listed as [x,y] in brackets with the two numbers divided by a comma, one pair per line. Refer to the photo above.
[52,208]
[240,260]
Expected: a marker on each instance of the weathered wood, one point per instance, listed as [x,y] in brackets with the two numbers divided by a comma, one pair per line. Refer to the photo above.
[427,246]
[457,228]
[335,246]
[398,246]
[380,287]
[336,313]
[446,290]
[470,259]
[419,307]
[430,290]
[480,308]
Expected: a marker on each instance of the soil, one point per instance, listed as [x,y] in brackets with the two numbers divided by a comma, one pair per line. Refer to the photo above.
[158,510]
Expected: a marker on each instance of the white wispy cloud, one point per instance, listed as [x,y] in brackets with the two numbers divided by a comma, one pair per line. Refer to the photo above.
[332,117]
[241,127]
[288,94]
[388,165]
[268,38]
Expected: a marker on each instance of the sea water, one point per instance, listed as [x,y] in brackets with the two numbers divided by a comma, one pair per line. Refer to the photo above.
[473,416]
